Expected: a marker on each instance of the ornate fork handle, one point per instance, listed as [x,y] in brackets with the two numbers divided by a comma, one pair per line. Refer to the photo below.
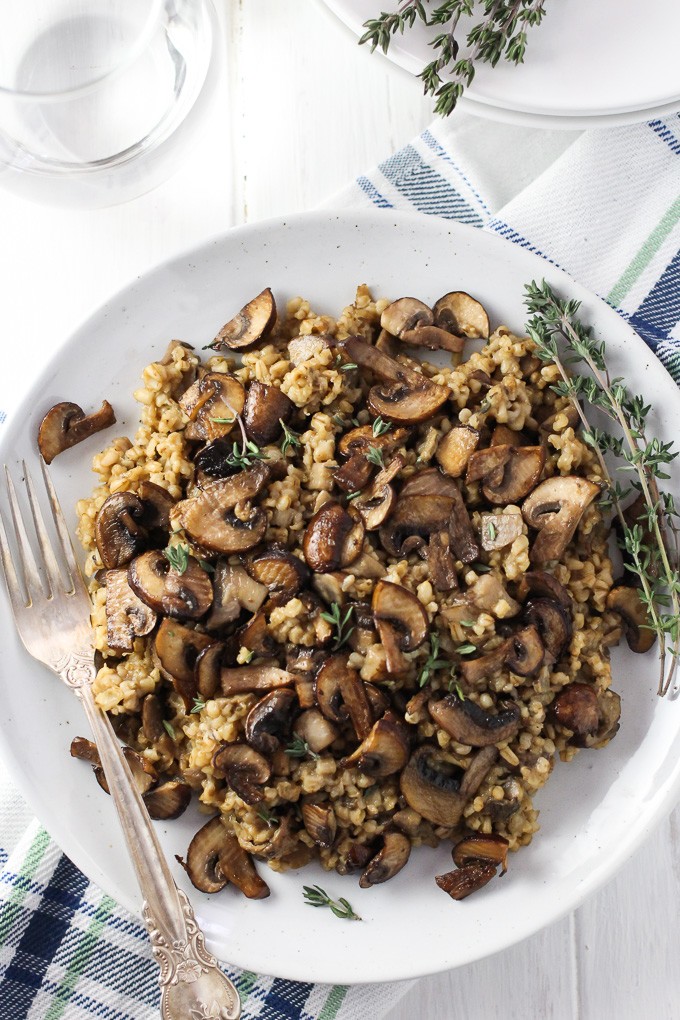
[192,985]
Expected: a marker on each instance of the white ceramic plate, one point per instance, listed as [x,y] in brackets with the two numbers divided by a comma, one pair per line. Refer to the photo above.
[590,64]
[593,812]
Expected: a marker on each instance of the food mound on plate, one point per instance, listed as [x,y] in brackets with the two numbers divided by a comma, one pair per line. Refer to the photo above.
[357,601]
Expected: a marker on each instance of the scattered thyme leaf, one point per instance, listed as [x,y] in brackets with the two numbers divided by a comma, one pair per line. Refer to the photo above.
[466,649]
[375,456]
[223,421]
[169,729]
[340,621]
[380,427]
[198,706]
[315,896]
[299,748]
[178,557]
[433,662]
[291,438]
[266,816]
[348,366]
[491,528]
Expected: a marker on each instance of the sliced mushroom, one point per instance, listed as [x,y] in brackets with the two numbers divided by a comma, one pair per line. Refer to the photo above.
[434,338]
[466,880]
[119,531]
[361,439]
[485,666]
[328,686]
[304,348]
[333,538]
[519,475]
[245,770]
[376,504]
[467,723]
[412,521]
[127,617]
[630,607]
[143,772]
[429,482]
[461,533]
[576,708]
[209,517]
[212,405]
[503,435]
[355,474]
[239,869]
[456,448]
[482,847]
[437,789]
[157,506]
[185,596]
[207,673]
[254,678]
[609,704]
[555,508]
[499,530]
[401,621]
[384,751]
[279,571]
[329,587]
[553,623]
[406,397]
[525,652]
[153,728]
[234,589]
[461,314]
[320,822]
[66,424]
[202,863]
[389,860]
[252,323]
[167,801]
[487,463]
[177,649]
[267,409]
[317,731]
[489,595]
[268,722]
[442,562]
[405,314]
[541,584]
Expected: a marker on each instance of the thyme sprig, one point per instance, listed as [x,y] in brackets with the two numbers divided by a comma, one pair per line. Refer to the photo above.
[374,455]
[299,748]
[652,541]
[501,34]
[291,438]
[433,662]
[178,557]
[340,621]
[315,896]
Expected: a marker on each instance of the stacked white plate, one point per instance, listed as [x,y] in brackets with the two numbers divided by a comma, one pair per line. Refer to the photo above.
[591,63]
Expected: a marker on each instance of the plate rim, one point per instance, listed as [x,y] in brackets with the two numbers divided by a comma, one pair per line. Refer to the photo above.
[667,792]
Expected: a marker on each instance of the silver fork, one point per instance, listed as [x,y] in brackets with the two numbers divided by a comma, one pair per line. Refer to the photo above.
[52,617]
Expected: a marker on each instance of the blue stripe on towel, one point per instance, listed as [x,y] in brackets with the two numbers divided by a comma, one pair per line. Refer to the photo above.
[425,189]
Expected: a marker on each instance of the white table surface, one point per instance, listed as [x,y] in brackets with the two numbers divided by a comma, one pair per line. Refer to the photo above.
[301,112]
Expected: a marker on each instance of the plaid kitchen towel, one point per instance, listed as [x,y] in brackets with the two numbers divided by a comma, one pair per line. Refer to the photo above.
[605,207]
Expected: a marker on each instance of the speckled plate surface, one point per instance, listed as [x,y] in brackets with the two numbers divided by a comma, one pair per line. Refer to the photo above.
[594,812]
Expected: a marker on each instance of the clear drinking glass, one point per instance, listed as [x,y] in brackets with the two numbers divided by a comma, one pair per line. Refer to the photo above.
[98,96]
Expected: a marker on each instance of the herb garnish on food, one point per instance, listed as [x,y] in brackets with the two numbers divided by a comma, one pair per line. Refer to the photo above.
[178,557]
[433,662]
[501,34]
[315,896]
[336,618]
[299,748]
[291,438]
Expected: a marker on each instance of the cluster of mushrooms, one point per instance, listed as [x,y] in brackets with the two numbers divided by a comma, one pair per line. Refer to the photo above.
[202,610]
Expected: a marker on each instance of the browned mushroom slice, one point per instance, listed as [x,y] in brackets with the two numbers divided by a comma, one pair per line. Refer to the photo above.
[541,584]
[154,729]
[462,534]
[412,521]
[630,607]
[464,881]
[376,504]
[356,702]
[157,506]
[254,678]
[555,508]
[429,482]
[405,314]
[519,475]
[268,722]
[245,770]
[576,708]
[389,860]
[234,589]
[202,863]
[487,463]
[401,621]
[430,784]
[267,409]
[525,652]
[361,439]
[333,538]
[167,801]
[482,847]
[489,594]
[119,531]
[207,672]
[176,649]
[474,670]
[143,772]
[282,846]
[406,397]
[434,338]
[499,530]
[127,617]
[384,751]
[456,448]
[355,474]
[85,750]
[502,435]
[210,518]
[553,623]
[279,571]
[328,688]
[329,587]
[442,562]
[320,822]
[461,314]
[316,731]
[609,706]
[467,723]
[254,321]
[304,348]
[66,424]
[185,596]
[212,405]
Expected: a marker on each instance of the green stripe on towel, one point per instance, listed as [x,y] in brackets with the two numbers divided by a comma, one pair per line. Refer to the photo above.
[645,255]
[333,1002]
[10,909]
[80,959]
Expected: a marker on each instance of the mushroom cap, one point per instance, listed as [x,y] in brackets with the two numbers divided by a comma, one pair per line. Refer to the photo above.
[66,424]
[389,860]
[279,571]
[119,531]
[268,722]
[127,616]
[490,847]
[576,708]
[202,863]
[467,723]
[384,751]
[398,609]
[209,517]
[526,651]
[254,321]
[432,337]
[376,504]
[355,474]
[333,538]
[176,650]
[518,476]
[464,881]
[212,405]
[234,589]
[555,508]
[244,768]
[630,607]
[430,785]
[266,408]
[185,596]
[553,623]
[361,439]
[461,314]
[542,584]
[167,801]
[412,521]
[456,448]
[320,822]
[405,314]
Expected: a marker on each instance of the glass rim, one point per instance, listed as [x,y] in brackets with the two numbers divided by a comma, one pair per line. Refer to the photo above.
[143,37]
